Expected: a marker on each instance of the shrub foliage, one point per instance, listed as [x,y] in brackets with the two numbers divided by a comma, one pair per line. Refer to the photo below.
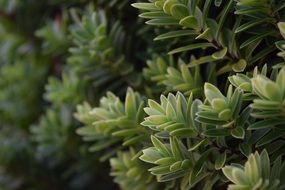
[175,94]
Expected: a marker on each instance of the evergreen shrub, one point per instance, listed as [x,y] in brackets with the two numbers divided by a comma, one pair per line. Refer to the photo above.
[149,94]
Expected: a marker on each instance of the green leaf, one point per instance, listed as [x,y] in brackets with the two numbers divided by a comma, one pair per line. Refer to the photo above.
[205,35]
[130,104]
[220,54]
[159,4]
[153,104]
[175,166]
[160,146]
[236,102]
[265,105]
[269,137]
[244,116]
[159,170]
[134,140]
[223,17]
[209,115]
[212,92]
[168,4]
[165,161]
[280,80]
[262,54]
[163,135]
[150,155]
[189,22]
[197,145]
[216,132]
[170,111]
[239,66]
[220,161]
[265,164]
[175,34]
[125,132]
[173,126]
[266,123]
[256,38]
[162,21]
[193,109]
[238,133]
[191,47]
[276,169]
[157,119]
[219,104]
[154,14]
[145,6]
[245,149]
[179,11]
[202,60]
[281,26]
[252,24]
[175,148]
[209,121]
[199,165]
[172,176]
[185,132]
[140,113]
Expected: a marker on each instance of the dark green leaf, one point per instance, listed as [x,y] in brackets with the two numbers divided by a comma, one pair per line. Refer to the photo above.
[217,132]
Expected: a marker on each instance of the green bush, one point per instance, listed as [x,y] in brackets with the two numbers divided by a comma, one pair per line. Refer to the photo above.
[158,94]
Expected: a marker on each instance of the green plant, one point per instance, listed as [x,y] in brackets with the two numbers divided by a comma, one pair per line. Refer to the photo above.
[194,98]
[194,139]
[113,122]
[131,173]
[256,173]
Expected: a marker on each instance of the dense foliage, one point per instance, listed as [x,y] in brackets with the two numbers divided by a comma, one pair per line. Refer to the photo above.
[170,94]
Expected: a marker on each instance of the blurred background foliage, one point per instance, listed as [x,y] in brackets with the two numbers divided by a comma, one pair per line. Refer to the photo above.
[39,148]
